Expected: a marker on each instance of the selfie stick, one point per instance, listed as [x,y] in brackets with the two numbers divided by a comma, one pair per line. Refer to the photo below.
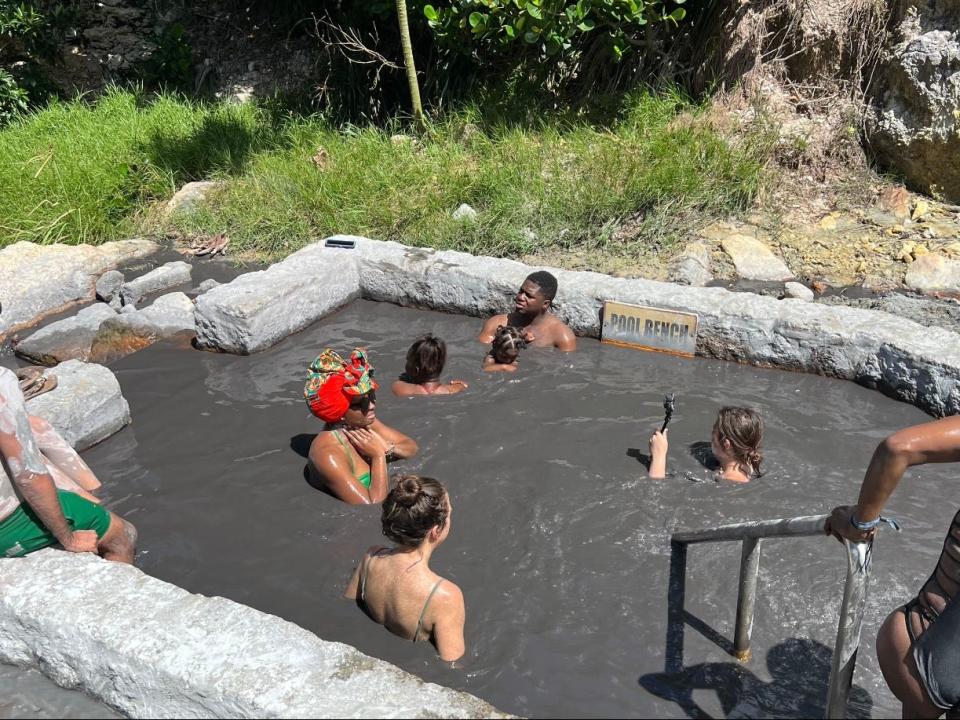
[668,410]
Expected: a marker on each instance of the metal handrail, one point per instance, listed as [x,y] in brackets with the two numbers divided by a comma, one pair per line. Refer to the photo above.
[854,593]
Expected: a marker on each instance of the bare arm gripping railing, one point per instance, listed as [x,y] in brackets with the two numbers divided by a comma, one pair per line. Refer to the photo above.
[854,592]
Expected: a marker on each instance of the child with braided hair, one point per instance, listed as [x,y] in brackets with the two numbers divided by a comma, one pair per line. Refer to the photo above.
[507,343]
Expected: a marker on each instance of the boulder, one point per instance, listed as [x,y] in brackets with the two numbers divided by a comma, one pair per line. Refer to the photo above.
[465,213]
[168,316]
[753,259]
[187,198]
[39,280]
[914,125]
[934,274]
[166,276]
[85,407]
[798,291]
[692,266]
[259,309]
[70,338]
[109,284]
[152,649]
[208,284]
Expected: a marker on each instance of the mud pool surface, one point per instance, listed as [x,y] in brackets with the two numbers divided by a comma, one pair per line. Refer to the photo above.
[559,542]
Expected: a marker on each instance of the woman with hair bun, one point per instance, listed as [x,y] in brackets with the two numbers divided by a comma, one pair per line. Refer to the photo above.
[735,442]
[395,586]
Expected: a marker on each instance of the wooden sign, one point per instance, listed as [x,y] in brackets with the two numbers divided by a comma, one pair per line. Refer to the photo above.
[648,328]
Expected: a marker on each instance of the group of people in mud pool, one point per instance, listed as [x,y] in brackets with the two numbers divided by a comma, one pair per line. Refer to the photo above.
[47,497]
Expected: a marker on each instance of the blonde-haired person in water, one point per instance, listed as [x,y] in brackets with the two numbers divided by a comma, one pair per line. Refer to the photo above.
[425,361]
[735,442]
[395,586]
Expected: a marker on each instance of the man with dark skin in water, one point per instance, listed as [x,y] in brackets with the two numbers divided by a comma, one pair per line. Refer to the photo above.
[533,314]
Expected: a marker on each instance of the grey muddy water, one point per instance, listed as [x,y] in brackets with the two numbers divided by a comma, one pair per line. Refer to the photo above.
[559,541]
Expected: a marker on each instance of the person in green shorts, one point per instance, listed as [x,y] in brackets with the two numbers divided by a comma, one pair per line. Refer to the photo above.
[34,514]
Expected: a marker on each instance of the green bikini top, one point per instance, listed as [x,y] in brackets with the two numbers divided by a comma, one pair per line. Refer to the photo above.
[362,479]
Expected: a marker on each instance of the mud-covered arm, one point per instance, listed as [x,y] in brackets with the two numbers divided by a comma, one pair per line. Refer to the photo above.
[489,330]
[566,340]
[400,445]
[932,442]
[448,628]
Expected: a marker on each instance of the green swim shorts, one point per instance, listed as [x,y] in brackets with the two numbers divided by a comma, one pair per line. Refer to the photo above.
[22,532]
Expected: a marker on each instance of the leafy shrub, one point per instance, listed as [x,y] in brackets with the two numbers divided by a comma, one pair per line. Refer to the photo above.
[549,28]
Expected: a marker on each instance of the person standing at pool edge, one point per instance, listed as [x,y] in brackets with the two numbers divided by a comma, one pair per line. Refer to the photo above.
[395,586]
[918,645]
[533,305]
[351,455]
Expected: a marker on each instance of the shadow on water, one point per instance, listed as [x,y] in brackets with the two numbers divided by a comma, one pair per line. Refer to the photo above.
[301,443]
[703,454]
[799,669]
[640,456]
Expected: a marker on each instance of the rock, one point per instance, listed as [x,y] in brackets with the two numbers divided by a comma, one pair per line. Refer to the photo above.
[67,339]
[108,286]
[881,218]
[465,213]
[914,123]
[85,407]
[38,280]
[692,266]
[920,209]
[754,260]
[258,309]
[208,284]
[798,291]
[896,201]
[187,198]
[152,649]
[169,315]
[166,276]
[934,273]
[918,250]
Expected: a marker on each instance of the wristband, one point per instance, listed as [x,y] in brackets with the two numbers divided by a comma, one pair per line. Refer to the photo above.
[871,524]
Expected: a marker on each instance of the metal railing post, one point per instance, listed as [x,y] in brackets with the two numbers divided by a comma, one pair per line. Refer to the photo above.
[848,628]
[746,596]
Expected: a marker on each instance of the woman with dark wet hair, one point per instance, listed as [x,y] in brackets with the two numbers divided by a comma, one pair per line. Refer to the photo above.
[505,349]
[735,442]
[425,361]
[395,586]
[350,456]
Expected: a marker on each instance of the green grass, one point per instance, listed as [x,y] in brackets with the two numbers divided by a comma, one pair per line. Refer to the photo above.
[87,173]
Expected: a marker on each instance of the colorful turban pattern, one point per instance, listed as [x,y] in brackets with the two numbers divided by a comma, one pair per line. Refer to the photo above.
[332,383]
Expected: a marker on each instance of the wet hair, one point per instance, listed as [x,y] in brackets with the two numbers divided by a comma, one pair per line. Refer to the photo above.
[546,282]
[743,427]
[414,506]
[507,344]
[425,360]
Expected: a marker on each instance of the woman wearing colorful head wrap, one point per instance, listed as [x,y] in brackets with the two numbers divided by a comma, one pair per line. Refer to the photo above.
[350,456]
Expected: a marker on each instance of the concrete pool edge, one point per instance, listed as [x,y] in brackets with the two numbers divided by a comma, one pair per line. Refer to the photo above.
[151,649]
[899,357]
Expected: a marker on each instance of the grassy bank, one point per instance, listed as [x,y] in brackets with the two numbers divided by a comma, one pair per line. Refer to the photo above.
[88,173]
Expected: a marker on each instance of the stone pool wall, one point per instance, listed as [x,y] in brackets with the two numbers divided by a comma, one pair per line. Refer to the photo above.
[151,649]
[897,356]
